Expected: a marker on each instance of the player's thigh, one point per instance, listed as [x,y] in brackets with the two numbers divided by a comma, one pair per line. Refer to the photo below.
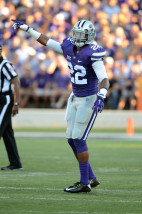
[70,120]
[83,116]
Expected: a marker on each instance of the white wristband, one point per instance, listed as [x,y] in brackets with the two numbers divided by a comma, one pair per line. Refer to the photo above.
[34,33]
[103,92]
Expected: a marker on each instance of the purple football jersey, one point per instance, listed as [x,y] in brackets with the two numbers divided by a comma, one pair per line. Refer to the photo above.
[83,78]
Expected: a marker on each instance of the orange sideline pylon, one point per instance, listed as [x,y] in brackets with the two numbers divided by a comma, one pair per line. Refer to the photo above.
[130,126]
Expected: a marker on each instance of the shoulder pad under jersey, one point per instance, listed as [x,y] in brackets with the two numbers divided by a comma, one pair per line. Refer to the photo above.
[66,41]
[98,52]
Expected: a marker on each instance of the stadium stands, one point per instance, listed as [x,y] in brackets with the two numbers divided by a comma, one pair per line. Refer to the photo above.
[118,28]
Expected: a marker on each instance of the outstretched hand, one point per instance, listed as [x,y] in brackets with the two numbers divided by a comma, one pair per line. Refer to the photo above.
[99,104]
[18,24]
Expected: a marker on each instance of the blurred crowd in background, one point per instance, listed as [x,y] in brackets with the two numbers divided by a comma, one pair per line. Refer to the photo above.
[44,75]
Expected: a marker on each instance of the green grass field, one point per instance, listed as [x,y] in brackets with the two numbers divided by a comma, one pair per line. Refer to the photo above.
[49,166]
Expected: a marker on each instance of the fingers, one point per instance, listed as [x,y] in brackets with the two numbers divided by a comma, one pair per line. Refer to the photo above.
[13,20]
[15,26]
[99,110]
[14,113]
[99,104]
[17,22]
[94,106]
[15,110]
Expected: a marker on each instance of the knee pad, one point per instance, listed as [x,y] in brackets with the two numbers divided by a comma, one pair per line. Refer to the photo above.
[71,143]
[80,145]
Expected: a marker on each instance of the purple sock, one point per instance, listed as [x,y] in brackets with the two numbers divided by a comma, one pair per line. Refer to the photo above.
[84,172]
[91,174]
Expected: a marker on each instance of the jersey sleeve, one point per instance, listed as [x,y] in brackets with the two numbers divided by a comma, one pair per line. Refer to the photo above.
[98,53]
[100,70]
[55,46]
[9,71]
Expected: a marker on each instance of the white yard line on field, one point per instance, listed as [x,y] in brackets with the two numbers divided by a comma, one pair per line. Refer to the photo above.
[8,175]
[55,189]
[31,188]
[77,199]
[53,212]
[93,200]
[4,197]
[23,211]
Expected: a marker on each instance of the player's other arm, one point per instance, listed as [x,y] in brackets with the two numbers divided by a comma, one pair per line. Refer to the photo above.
[41,38]
[99,68]
[100,71]
[104,84]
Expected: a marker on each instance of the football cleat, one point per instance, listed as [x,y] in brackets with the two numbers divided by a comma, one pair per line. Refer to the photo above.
[11,167]
[94,182]
[78,187]
[75,185]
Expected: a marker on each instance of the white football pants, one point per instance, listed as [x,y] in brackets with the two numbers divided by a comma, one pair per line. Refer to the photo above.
[80,117]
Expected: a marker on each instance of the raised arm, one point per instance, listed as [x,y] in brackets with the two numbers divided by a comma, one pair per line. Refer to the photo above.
[41,38]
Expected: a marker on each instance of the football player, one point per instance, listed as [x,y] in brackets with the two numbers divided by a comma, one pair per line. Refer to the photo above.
[89,83]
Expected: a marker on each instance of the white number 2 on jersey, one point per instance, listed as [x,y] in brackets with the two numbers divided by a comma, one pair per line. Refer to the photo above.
[78,71]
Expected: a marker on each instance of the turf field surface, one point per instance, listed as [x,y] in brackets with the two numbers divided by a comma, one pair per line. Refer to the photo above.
[49,166]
